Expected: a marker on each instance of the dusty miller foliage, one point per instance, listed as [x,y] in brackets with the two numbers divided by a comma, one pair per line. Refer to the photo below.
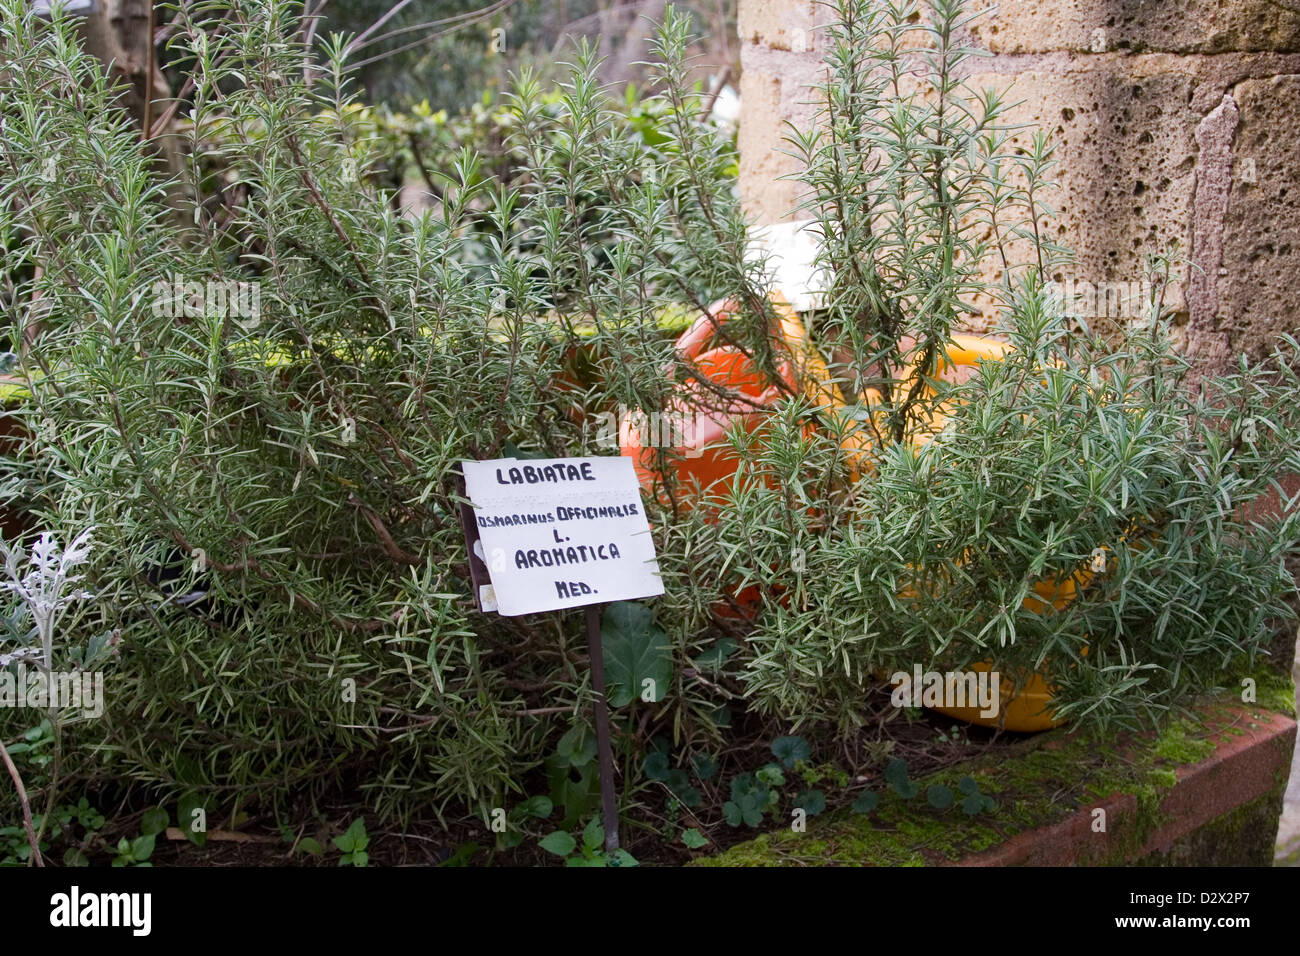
[298,472]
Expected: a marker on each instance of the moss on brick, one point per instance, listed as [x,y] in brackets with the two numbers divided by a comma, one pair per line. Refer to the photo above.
[1241,837]
[1274,688]
[1177,745]
[1036,783]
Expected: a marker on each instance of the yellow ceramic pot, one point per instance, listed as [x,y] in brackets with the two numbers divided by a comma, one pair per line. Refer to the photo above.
[1023,709]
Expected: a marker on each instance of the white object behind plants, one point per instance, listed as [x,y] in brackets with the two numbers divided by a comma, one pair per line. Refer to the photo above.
[792,262]
[726,108]
[73,8]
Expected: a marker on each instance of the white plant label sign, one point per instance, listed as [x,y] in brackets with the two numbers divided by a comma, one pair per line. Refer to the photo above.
[561,532]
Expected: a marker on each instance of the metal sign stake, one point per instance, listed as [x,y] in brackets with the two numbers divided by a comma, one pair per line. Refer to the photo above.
[604,751]
[579,537]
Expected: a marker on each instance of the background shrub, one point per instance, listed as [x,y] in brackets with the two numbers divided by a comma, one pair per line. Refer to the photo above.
[276,494]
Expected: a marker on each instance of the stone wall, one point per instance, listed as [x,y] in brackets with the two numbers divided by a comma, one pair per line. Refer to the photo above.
[1175,124]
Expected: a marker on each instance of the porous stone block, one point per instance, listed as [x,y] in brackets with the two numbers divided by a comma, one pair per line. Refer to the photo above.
[1136,26]
[780,24]
[1257,277]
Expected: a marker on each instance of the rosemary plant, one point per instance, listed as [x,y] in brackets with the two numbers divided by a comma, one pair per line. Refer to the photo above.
[261,399]
[257,384]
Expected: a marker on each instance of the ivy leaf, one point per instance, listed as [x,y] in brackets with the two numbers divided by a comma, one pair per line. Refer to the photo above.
[907,790]
[354,838]
[689,797]
[732,813]
[577,747]
[154,821]
[789,750]
[680,785]
[706,768]
[694,839]
[940,797]
[746,784]
[866,802]
[142,847]
[636,650]
[593,834]
[621,857]
[973,804]
[559,843]
[540,807]
[896,770]
[655,767]
[188,820]
[812,802]
[716,655]
[896,775]
[577,797]
[360,839]
[968,785]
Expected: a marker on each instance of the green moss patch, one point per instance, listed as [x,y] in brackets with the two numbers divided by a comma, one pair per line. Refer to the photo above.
[1034,783]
